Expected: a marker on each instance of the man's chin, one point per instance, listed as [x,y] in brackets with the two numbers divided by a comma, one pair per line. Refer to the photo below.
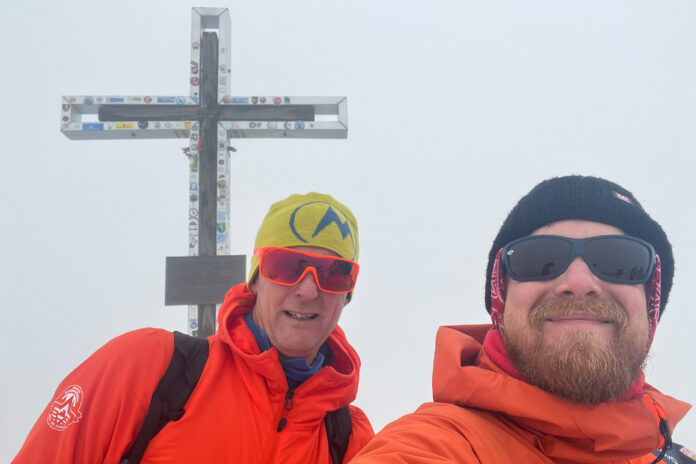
[583,367]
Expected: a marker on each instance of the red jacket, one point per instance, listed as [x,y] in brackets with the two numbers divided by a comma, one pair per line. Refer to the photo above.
[506,420]
[231,416]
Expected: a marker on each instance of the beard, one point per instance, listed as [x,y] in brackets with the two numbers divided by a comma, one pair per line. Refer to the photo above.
[583,366]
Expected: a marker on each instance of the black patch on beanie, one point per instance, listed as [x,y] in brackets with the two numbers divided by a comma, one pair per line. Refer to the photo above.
[591,199]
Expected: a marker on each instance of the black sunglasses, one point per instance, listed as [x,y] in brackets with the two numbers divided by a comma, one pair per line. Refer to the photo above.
[614,258]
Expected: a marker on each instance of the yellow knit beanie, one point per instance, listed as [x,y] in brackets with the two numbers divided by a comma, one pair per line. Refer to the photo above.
[313,219]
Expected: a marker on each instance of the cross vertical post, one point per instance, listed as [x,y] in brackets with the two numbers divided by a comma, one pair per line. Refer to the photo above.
[209,117]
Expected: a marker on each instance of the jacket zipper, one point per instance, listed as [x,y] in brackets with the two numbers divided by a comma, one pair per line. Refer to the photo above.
[282,422]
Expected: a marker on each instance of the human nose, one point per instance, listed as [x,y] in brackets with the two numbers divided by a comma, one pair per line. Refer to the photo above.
[578,281]
[307,288]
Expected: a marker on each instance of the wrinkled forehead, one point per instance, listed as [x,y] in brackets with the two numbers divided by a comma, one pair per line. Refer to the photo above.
[577,228]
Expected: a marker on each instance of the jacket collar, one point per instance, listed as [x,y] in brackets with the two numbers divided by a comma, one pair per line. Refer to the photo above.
[336,383]
[464,374]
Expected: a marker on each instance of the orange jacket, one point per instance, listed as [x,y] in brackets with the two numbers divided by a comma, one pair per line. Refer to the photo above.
[505,420]
[231,416]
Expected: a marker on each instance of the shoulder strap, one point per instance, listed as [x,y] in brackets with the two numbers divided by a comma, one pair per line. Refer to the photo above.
[338,429]
[674,454]
[173,391]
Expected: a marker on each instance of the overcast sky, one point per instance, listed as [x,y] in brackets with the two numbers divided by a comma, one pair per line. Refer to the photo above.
[456,109]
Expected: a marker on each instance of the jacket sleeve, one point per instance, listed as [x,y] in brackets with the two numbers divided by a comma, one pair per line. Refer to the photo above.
[361,432]
[417,438]
[99,407]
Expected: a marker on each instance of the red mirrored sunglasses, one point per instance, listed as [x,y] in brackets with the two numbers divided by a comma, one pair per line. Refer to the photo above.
[286,266]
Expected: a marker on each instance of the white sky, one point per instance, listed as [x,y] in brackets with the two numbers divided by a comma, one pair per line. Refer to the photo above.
[456,109]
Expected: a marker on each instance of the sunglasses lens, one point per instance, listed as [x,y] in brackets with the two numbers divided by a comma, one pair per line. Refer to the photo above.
[538,258]
[618,259]
[339,278]
[286,267]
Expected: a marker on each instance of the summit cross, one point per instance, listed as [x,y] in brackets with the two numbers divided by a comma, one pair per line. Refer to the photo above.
[209,117]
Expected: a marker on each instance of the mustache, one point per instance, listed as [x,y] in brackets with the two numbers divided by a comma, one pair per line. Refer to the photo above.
[605,310]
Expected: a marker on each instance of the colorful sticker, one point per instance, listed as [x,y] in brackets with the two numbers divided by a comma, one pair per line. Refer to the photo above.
[142,124]
[92,126]
[147,99]
[277,101]
[123,125]
[115,99]
[240,100]
[165,99]
[66,107]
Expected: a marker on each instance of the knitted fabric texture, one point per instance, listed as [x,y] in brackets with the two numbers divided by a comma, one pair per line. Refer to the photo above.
[590,199]
[313,219]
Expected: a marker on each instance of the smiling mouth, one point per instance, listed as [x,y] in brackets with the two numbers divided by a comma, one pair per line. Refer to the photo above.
[576,318]
[301,316]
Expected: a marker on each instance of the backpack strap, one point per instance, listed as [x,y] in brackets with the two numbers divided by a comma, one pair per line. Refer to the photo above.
[338,429]
[173,391]
[675,454]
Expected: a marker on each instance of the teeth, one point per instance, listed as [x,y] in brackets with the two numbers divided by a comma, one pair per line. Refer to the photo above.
[303,317]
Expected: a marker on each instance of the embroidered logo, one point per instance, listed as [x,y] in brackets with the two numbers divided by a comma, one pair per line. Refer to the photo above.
[305,229]
[66,409]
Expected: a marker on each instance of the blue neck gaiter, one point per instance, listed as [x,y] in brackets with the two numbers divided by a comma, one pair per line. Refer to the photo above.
[296,369]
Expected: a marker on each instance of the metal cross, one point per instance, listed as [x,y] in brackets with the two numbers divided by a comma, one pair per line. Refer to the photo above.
[209,117]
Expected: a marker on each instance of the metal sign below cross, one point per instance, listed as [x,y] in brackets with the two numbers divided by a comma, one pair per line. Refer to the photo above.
[209,117]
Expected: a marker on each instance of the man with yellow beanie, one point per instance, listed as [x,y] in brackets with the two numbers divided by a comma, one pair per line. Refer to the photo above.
[278,380]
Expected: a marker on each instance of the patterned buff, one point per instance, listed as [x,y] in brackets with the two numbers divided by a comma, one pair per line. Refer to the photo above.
[652,289]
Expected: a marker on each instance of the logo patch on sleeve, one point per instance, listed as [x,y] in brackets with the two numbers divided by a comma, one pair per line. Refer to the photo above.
[66,409]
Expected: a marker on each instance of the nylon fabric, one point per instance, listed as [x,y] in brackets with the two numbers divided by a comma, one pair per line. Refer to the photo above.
[481,414]
[231,416]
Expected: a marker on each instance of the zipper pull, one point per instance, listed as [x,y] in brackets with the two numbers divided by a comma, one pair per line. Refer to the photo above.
[288,407]
[288,400]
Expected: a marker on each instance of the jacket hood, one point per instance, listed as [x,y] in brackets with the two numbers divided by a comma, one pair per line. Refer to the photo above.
[565,431]
[335,384]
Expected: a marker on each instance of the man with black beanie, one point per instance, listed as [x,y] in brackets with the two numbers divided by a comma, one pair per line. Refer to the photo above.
[578,278]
